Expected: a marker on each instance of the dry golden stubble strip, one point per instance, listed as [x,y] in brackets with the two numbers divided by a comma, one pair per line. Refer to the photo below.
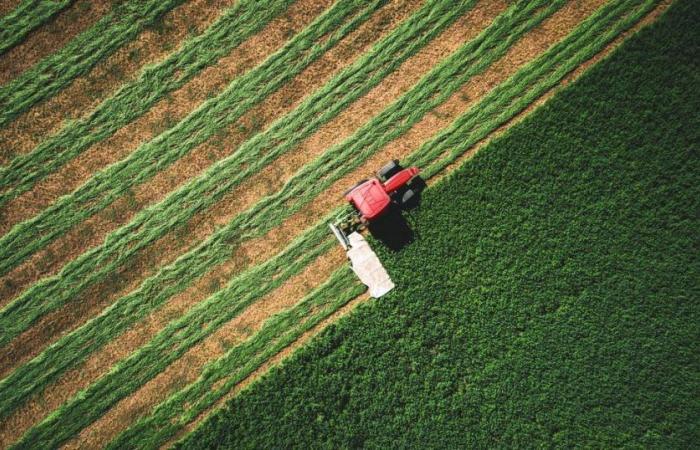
[213,79]
[168,248]
[553,30]
[86,92]
[8,5]
[168,111]
[51,36]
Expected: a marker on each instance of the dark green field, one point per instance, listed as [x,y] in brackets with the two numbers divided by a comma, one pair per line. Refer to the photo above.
[551,296]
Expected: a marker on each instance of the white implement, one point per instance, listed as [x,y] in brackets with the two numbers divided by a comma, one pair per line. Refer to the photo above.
[366,265]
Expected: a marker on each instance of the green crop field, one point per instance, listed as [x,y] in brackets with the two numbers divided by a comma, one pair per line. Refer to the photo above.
[164,243]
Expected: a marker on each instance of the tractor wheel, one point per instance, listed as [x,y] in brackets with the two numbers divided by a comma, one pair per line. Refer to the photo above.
[353,188]
[389,170]
[407,196]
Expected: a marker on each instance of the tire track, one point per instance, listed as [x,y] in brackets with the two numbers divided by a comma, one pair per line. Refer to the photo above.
[84,93]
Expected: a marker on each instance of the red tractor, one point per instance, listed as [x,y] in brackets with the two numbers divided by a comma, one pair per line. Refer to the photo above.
[373,197]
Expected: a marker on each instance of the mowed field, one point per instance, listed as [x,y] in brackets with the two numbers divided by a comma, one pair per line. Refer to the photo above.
[169,167]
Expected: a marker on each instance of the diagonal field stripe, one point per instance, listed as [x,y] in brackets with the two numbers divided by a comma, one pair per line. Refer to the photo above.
[28,15]
[55,72]
[134,99]
[302,50]
[153,222]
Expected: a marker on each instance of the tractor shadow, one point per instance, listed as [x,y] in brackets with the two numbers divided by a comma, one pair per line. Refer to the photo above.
[392,229]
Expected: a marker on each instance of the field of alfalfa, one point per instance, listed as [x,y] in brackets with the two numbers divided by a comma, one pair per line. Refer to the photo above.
[168,169]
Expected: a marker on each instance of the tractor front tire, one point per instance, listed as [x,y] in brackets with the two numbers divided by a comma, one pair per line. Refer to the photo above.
[389,170]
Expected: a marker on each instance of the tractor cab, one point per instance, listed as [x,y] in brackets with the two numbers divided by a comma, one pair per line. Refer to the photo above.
[371,198]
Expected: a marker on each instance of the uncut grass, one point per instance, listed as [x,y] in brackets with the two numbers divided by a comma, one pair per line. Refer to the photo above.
[523,13]
[573,75]
[169,247]
[123,324]
[93,231]
[447,138]
[261,371]
[234,330]
[46,125]
[219,178]
[56,71]
[27,16]
[585,311]
[197,44]
[70,19]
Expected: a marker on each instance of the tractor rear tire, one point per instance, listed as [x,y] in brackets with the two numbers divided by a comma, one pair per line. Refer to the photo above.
[389,170]
[407,196]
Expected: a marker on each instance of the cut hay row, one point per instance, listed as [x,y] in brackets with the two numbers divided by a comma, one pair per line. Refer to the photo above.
[27,16]
[204,122]
[509,22]
[168,111]
[55,72]
[133,100]
[155,221]
[584,42]
[172,342]
[219,377]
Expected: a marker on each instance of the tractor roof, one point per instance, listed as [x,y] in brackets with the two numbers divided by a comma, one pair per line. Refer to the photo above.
[369,198]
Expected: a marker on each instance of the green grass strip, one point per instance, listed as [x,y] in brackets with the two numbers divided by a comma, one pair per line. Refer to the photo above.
[153,222]
[178,275]
[56,71]
[134,99]
[277,333]
[27,16]
[73,348]
[171,343]
[578,46]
